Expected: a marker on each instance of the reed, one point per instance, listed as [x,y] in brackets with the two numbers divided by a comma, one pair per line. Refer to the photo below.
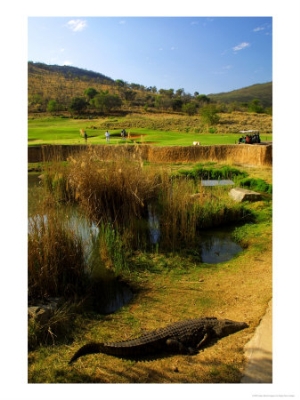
[186,208]
[56,262]
[125,200]
[121,196]
[112,251]
[115,194]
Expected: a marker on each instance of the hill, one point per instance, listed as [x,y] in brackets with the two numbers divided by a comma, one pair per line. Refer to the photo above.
[67,72]
[261,91]
[64,83]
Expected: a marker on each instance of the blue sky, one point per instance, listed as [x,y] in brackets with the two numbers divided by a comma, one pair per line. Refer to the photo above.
[203,54]
[24,39]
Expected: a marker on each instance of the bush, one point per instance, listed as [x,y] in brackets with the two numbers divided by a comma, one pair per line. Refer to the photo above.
[209,114]
[258,185]
[206,172]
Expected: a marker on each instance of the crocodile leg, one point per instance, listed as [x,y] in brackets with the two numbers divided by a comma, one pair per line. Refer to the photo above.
[204,340]
[176,346]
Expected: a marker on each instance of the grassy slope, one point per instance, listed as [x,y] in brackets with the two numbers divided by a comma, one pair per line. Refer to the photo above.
[262,91]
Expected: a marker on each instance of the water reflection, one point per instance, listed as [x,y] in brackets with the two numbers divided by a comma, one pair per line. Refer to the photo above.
[153,225]
[217,246]
[216,182]
[107,293]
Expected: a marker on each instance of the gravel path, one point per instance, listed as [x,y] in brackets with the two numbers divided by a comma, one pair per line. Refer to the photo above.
[258,352]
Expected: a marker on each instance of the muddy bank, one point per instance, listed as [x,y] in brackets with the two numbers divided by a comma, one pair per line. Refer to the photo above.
[258,155]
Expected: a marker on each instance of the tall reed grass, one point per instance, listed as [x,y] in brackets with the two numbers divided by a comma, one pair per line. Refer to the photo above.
[186,208]
[111,192]
[120,197]
[56,262]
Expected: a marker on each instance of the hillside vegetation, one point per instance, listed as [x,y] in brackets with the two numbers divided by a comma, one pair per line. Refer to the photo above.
[262,91]
[58,89]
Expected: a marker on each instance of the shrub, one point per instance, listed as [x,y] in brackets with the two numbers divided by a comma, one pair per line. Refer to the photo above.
[258,185]
[205,172]
[209,114]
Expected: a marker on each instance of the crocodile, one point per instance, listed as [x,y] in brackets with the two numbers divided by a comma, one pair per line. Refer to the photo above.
[183,337]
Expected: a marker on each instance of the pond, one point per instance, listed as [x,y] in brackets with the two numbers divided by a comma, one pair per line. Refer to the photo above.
[217,246]
[214,246]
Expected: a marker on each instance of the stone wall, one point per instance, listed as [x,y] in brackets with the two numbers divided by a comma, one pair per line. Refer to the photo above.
[245,154]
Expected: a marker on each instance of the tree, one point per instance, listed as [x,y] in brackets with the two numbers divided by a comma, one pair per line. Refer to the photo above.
[112,101]
[120,83]
[190,108]
[167,92]
[177,104]
[255,106]
[179,92]
[162,102]
[202,98]
[78,104]
[209,114]
[53,106]
[90,93]
[106,102]
[129,95]
[135,86]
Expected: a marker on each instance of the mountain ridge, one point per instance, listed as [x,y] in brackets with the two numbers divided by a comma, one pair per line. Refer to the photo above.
[259,91]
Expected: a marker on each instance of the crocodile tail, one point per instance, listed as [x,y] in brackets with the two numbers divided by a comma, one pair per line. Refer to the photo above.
[90,348]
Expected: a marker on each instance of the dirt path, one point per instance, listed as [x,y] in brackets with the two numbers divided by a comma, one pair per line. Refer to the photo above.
[258,352]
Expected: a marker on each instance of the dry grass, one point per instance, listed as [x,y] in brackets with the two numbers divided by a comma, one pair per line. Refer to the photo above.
[237,121]
[228,123]
[55,258]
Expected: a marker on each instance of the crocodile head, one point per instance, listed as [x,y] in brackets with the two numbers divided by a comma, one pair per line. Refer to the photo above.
[225,327]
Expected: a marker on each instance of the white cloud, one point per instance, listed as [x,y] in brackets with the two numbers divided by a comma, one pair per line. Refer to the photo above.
[76,25]
[67,62]
[241,46]
[259,28]
[265,29]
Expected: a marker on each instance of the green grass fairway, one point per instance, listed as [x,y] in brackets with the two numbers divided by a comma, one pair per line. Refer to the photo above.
[57,130]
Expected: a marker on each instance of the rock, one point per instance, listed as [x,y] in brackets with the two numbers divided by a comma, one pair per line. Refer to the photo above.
[240,194]
[43,312]
[40,314]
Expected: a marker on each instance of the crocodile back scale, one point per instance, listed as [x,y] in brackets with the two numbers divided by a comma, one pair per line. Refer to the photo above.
[183,337]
